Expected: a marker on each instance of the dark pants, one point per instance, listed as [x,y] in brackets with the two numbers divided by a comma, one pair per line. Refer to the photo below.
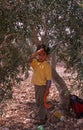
[39,96]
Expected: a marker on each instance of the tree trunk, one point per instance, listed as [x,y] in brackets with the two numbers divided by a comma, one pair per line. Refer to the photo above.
[61,87]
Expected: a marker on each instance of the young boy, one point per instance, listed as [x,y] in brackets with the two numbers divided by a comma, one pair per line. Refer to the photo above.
[41,79]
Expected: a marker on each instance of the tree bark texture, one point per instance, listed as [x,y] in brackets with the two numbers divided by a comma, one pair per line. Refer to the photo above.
[61,87]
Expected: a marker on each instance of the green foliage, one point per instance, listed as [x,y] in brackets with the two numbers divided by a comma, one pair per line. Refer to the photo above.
[13,63]
[20,20]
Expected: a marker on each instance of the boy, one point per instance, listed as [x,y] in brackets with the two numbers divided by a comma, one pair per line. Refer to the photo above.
[41,79]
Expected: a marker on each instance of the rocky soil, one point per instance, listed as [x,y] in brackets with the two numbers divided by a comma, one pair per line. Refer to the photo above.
[20,112]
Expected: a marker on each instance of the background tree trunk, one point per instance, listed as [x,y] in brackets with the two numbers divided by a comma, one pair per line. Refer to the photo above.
[61,87]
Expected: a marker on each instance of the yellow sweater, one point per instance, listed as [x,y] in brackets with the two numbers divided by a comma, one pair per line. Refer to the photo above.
[41,72]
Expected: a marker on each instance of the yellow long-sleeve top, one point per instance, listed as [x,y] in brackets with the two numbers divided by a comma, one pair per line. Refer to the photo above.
[41,72]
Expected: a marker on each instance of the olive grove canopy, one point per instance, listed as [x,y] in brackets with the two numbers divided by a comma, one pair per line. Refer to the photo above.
[26,23]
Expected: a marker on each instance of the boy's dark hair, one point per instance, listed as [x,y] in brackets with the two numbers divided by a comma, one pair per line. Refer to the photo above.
[46,48]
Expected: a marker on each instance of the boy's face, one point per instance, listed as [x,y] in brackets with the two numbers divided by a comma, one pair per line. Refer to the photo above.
[42,56]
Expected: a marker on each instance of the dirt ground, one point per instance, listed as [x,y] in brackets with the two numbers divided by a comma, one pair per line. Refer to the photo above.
[20,112]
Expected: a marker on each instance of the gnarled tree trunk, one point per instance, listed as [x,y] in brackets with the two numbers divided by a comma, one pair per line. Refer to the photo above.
[61,87]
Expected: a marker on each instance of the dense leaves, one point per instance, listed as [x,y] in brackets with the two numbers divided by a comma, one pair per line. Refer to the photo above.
[24,23]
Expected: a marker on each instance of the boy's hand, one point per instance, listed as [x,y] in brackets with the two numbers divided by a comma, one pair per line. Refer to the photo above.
[39,51]
[35,54]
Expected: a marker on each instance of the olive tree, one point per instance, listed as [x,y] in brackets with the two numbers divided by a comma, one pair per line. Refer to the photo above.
[26,23]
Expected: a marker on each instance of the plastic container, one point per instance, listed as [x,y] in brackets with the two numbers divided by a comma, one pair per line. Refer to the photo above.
[40,127]
[59,116]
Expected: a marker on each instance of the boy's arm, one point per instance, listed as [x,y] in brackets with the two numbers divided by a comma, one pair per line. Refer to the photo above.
[35,54]
[49,77]
[48,85]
